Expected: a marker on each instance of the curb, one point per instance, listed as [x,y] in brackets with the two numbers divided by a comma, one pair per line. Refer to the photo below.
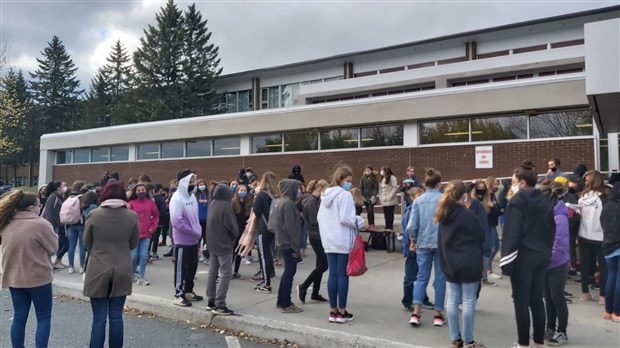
[306,336]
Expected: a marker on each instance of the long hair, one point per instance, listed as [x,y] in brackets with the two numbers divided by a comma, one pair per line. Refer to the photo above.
[12,202]
[52,187]
[388,174]
[247,201]
[270,184]
[89,199]
[134,194]
[452,194]
[372,177]
[341,172]
[486,198]
[593,182]
[317,184]
[358,199]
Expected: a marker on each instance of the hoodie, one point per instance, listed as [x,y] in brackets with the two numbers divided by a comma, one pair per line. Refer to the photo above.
[338,223]
[148,216]
[310,211]
[296,174]
[560,252]
[590,228]
[610,221]
[186,229]
[288,230]
[222,229]
[529,230]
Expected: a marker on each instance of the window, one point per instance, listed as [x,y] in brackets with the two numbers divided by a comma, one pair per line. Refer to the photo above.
[289,94]
[64,157]
[382,136]
[226,146]
[172,150]
[148,151]
[303,141]
[452,131]
[119,153]
[267,143]
[499,128]
[231,102]
[340,139]
[198,148]
[100,154]
[81,156]
[561,124]
[244,101]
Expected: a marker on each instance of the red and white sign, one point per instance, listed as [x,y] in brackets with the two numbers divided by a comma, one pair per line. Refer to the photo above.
[484,157]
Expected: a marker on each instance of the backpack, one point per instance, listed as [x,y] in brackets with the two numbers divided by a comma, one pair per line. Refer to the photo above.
[70,212]
[273,221]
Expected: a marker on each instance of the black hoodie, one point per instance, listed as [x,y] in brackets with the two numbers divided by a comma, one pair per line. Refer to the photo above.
[610,221]
[288,230]
[296,174]
[222,229]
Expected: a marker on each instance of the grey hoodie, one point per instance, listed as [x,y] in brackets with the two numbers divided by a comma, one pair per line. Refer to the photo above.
[288,231]
[222,229]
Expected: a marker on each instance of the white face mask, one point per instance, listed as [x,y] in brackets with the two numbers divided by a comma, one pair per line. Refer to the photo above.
[63,189]
[382,173]
[515,188]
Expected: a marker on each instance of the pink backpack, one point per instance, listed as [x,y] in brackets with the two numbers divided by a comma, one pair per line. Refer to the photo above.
[70,212]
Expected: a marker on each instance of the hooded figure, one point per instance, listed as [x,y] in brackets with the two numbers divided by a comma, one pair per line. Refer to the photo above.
[296,174]
[288,231]
[610,221]
[222,229]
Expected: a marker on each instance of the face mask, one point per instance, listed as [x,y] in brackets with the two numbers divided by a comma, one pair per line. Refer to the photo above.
[572,190]
[515,188]
[141,195]
[202,187]
[63,189]
[554,169]
[347,185]
[242,194]
[249,174]
[481,192]
[382,173]
[367,173]
[233,188]
[191,188]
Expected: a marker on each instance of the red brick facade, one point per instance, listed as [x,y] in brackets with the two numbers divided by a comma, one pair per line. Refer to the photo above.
[452,161]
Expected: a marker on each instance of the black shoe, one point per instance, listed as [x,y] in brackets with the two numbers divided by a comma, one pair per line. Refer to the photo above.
[572,272]
[168,254]
[222,311]
[428,304]
[568,294]
[301,294]
[594,287]
[319,298]
[210,306]
[193,297]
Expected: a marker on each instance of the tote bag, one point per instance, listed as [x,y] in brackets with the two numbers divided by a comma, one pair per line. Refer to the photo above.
[357,258]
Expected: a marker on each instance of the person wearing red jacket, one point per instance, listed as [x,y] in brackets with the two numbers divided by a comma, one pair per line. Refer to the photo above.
[148,219]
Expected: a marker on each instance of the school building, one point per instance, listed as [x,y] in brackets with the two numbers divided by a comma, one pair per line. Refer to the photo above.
[471,105]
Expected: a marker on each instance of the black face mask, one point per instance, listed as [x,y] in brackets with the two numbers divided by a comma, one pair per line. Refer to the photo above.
[554,169]
[480,192]
[190,188]
[572,190]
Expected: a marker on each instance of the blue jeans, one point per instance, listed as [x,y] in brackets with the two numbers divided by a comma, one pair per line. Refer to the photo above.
[286,281]
[41,296]
[140,255]
[462,293]
[612,288]
[338,281]
[427,258]
[75,234]
[303,243]
[103,308]
[411,273]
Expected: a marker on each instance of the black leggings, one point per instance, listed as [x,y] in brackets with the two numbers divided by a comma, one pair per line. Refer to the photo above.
[370,211]
[263,242]
[555,301]
[590,254]
[320,267]
[236,257]
[388,212]
[527,294]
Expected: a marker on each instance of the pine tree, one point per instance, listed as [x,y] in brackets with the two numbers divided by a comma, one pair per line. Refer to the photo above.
[55,89]
[119,71]
[99,101]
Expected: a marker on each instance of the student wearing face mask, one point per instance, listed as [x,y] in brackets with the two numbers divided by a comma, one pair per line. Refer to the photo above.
[55,196]
[143,205]
[242,206]
[202,195]
[388,190]
[369,186]
[554,169]
[574,220]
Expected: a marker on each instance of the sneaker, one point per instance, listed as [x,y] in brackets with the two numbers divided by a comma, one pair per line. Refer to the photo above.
[494,275]
[259,284]
[71,270]
[168,254]
[568,300]
[301,294]
[142,281]
[439,320]
[601,300]
[400,237]
[202,258]
[568,294]
[415,320]
[246,261]
[615,318]
[81,270]
[344,318]
[332,317]
[193,297]
[182,301]
[291,309]
[210,306]
[264,289]
[319,298]
[585,296]
[428,304]
[206,262]
[156,257]
[548,334]
[371,227]
[222,311]
[456,344]
[257,277]
[408,308]
[559,339]
[237,276]
[488,282]
[161,244]
[474,345]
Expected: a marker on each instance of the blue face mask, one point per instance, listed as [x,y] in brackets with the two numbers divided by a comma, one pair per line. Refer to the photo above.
[347,185]
[233,188]
[242,194]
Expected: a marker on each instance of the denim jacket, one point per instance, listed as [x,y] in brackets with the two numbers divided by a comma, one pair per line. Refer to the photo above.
[421,228]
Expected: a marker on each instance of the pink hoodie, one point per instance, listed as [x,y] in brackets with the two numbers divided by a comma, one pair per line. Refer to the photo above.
[148,216]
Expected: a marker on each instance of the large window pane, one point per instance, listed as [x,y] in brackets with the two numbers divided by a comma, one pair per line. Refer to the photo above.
[198,148]
[267,143]
[340,139]
[382,136]
[499,128]
[63,157]
[231,102]
[454,131]
[289,94]
[226,146]
[172,150]
[304,141]
[100,154]
[81,156]
[148,151]
[119,153]
[274,97]
[561,124]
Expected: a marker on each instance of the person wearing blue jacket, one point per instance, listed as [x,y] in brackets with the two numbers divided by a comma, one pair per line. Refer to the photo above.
[202,195]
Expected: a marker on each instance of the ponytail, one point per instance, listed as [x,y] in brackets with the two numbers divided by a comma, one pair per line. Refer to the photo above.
[12,202]
[452,194]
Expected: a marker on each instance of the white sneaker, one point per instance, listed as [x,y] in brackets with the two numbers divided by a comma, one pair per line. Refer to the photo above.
[202,258]
[81,270]
[142,281]
[71,270]
[494,275]
[246,260]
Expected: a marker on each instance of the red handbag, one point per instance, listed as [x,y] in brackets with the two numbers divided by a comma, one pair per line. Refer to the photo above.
[357,258]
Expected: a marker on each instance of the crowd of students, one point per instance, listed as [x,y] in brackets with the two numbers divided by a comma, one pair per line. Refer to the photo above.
[451,228]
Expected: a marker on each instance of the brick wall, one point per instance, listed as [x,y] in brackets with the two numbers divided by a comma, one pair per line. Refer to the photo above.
[452,161]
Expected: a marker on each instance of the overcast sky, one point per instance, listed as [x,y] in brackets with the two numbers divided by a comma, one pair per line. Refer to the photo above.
[255,34]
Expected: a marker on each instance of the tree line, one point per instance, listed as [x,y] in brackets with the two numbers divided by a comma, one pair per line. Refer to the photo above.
[170,75]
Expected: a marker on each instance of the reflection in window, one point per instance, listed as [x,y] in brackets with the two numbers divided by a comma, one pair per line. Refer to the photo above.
[198,148]
[340,139]
[231,102]
[245,101]
[267,143]
[119,153]
[289,95]
[453,131]
[172,150]
[148,151]
[274,97]
[64,157]
[100,154]
[81,156]
[499,128]
[561,124]
[304,141]
[382,136]
[226,146]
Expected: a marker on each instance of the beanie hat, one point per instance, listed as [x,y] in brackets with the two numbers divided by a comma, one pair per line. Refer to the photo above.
[562,180]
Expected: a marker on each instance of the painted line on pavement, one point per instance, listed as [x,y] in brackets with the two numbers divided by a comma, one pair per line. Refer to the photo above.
[232,342]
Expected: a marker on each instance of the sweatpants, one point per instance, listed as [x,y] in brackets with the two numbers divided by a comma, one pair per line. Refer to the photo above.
[527,283]
[590,254]
[216,290]
[185,266]
[263,242]
[555,300]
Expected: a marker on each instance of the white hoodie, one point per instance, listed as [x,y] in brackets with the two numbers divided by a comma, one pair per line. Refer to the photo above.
[591,208]
[337,220]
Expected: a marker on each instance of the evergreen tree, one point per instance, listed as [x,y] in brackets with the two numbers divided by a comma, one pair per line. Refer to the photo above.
[119,71]
[99,102]
[55,89]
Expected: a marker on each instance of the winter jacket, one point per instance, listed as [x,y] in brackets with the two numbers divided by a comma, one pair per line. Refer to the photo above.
[203,205]
[529,230]
[310,212]
[610,221]
[186,230]
[388,192]
[262,204]
[494,212]
[148,216]
[477,208]
[51,211]
[460,246]
[590,230]
[222,228]
[337,220]
[160,203]
[369,186]
[560,252]
[288,230]
[421,228]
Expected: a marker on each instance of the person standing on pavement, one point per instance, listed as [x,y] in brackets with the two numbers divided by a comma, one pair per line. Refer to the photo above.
[423,231]
[142,204]
[55,196]
[409,182]
[75,232]
[186,233]
[388,190]
[222,231]
[28,242]
[610,221]
[242,207]
[110,233]
[338,227]
[202,195]
[369,186]
[262,204]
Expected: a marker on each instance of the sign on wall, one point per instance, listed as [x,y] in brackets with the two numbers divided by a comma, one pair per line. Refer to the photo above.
[484,157]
